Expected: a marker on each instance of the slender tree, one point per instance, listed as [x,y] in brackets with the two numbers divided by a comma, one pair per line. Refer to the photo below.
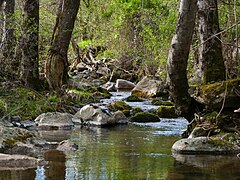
[178,56]
[8,40]
[211,61]
[57,62]
[1,2]
[29,70]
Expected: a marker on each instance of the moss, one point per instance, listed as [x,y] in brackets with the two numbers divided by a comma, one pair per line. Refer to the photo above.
[2,106]
[167,103]
[134,98]
[218,142]
[120,105]
[156,101]
[28,104]
[166,112]
[230,137]
[136,110]
[145,117]
[126,112]
[216,91]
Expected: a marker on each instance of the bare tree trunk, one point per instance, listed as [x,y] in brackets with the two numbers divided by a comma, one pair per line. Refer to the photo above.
[1,2]
[8,40]
[57,62]
[29,72]
[211,61]
[178,57]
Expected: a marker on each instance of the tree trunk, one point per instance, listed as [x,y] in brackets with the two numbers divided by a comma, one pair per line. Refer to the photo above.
[211,61]
[57,63]
[29,72]
[8,40]
[1,2]
[178,57]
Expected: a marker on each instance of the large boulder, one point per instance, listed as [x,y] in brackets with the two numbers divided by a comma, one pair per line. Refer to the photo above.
[16,161]
[124,84]
[95,115]
[54,120]
[9,137]
[213,95]
[204,145]
[148,87]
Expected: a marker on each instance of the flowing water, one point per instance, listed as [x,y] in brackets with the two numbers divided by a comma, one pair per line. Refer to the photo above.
[126,152]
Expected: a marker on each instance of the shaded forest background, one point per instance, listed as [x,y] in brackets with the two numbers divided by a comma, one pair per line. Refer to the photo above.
[136,33]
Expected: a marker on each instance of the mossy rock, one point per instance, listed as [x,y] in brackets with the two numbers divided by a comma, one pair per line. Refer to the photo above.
[126,112]
[145,117]
[119,105]
[9,136]
[160,102]
[166,112]
[136,110]
[213,95]
[133,98]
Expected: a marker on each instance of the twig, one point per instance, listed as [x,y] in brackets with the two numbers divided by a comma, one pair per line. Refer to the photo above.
[219,33]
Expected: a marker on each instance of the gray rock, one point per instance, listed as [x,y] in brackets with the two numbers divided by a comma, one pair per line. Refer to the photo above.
[54,120]
[67,145]
[104,71]
[94,115]
[124,84]
[110,86]
[16,161]
[10,136]
[204,145]
[21,149]
[148,87]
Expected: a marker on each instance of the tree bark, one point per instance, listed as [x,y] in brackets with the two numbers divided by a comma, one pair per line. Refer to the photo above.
[8,40]
[57,62]
[1,2]
[211,63]
[178,57]
[29,70]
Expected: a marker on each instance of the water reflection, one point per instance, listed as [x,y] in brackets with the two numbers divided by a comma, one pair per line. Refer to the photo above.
[17,174]
[205,167]
[55,168]
[128,152]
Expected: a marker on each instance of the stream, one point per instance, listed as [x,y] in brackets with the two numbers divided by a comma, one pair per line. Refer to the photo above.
[126,152]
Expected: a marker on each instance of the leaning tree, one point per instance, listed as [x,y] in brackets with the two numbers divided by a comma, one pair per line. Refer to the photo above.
[178,56]
[57,63]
